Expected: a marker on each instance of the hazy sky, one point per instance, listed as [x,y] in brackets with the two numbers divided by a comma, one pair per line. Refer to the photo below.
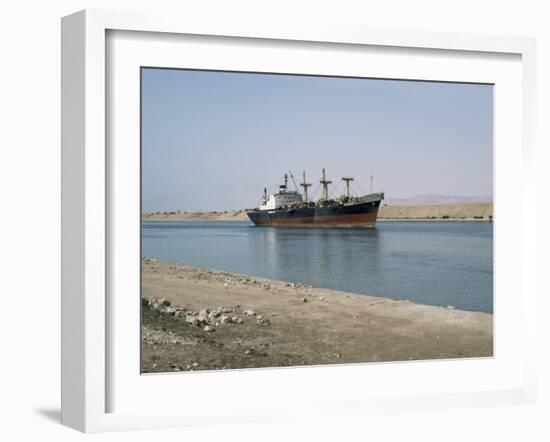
[214,140]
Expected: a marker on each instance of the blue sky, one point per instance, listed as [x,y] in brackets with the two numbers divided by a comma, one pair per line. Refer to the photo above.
[214,140]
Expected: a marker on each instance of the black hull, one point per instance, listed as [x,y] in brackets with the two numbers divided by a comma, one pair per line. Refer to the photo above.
[358,215]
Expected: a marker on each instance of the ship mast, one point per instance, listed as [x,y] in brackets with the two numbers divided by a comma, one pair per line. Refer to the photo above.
[325,184]
[305,186]
[293,181]
[347,179]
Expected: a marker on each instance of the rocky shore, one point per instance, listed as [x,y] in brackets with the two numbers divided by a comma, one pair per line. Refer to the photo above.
[202,319]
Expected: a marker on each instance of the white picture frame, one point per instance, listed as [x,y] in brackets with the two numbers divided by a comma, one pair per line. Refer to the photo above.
[87,204]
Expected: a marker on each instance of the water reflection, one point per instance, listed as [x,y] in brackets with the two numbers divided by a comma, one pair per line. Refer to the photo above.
[317,255]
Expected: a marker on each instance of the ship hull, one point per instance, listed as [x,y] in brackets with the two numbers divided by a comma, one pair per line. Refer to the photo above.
[360,215]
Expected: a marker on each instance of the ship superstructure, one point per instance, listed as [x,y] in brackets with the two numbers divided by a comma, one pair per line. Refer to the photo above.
[291,208]
[283,198]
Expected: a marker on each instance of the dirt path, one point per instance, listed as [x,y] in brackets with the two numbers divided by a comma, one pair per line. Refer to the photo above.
[213,320]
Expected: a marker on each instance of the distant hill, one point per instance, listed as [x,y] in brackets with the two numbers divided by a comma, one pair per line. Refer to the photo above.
[429,200]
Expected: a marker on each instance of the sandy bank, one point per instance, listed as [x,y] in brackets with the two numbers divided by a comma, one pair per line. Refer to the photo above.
[235,215]
[212,320]
[442,212]
[474,212]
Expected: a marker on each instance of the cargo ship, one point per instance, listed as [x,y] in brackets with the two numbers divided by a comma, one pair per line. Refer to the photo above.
[291,208]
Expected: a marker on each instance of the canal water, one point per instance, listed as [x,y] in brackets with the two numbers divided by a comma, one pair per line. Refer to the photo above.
[436,263]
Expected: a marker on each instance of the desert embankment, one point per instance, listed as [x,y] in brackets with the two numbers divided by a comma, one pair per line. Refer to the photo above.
[478,211]
[201,319]
[234,215]
[441,212]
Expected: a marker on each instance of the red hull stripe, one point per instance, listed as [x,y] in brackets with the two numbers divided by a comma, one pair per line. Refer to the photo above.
[349,220]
